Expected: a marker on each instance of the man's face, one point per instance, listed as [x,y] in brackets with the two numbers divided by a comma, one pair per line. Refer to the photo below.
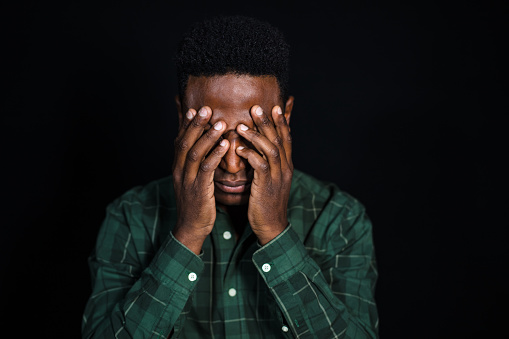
[231,97]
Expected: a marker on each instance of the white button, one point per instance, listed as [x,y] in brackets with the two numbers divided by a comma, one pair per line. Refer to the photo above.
[192,276]
[266,267]
[227,235]
[232,292]
[284,328]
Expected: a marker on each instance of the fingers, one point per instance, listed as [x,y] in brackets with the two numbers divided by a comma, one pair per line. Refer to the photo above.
[185,122]
[267,141]
[283,130]
[191,129]
[209,165]
[259,164]
[196,160]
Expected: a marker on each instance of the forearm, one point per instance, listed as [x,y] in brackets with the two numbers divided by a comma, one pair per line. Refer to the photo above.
[152,305]
[313,311]
[308,302]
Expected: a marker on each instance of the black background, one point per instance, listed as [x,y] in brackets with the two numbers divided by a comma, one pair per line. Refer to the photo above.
[397,103]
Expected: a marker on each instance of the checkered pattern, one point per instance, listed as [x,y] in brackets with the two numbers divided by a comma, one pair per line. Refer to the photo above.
[315,280]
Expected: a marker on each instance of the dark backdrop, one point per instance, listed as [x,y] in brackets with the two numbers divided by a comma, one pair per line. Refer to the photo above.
[398,104]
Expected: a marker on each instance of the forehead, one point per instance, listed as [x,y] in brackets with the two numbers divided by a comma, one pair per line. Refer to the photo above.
[231,91]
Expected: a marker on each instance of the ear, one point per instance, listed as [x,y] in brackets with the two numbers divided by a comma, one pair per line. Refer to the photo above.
[179,108]
[288,108]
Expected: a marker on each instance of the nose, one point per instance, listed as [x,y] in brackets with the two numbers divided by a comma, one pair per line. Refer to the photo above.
[231,162]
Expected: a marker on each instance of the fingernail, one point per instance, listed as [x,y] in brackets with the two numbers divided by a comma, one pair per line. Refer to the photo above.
[243,127]
[259,111]
[279,111]
[240,148]
[202,112]
[189,115]
[218,125]
[223,143]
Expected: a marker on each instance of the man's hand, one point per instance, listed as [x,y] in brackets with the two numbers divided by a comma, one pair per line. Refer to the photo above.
[193,174]
[273,170]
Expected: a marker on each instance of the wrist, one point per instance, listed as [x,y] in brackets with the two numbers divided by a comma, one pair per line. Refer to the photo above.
[193,242]
[268,234]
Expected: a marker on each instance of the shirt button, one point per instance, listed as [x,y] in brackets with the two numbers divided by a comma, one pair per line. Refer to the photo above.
[284,329]
[266,267]
[232,292]
[192,276]
[227,235]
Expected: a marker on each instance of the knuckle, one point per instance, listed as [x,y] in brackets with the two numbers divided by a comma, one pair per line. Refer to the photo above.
[288,176]
[274,152]
[195,123]
[193,156]
[264,167]
[181,145]
[185,123]
[289,138]
[278,141]
[205,167]
[210,135]
[265,121]
[177,176]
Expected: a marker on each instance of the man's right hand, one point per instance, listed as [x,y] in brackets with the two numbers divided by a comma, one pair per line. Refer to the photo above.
[193,176]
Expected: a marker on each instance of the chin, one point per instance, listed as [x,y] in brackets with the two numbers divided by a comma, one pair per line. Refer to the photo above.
[231,199]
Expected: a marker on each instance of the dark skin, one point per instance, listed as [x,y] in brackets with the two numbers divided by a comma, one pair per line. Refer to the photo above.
[233,149]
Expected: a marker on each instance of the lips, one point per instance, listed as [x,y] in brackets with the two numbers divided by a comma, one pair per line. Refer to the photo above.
[232,186]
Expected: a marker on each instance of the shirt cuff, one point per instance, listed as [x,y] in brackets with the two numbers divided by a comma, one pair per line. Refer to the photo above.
[176,265]
[281,258]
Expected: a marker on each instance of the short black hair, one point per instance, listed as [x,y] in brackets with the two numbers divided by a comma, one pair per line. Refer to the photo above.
[233,44]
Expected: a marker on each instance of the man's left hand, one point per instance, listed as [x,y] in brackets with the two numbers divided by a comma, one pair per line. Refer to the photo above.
[273,170]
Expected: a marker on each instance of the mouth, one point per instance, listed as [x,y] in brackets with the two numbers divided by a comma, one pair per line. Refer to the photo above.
[233,186]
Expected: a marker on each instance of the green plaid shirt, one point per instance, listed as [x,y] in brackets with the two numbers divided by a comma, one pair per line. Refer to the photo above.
[315,280]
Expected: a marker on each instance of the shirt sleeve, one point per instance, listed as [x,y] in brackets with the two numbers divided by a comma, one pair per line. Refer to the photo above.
[334,299]
[132,300]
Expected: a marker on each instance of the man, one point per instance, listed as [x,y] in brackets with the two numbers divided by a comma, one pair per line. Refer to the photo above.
[236,244]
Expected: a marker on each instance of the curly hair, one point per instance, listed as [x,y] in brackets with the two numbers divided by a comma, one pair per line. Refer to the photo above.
[233,44]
